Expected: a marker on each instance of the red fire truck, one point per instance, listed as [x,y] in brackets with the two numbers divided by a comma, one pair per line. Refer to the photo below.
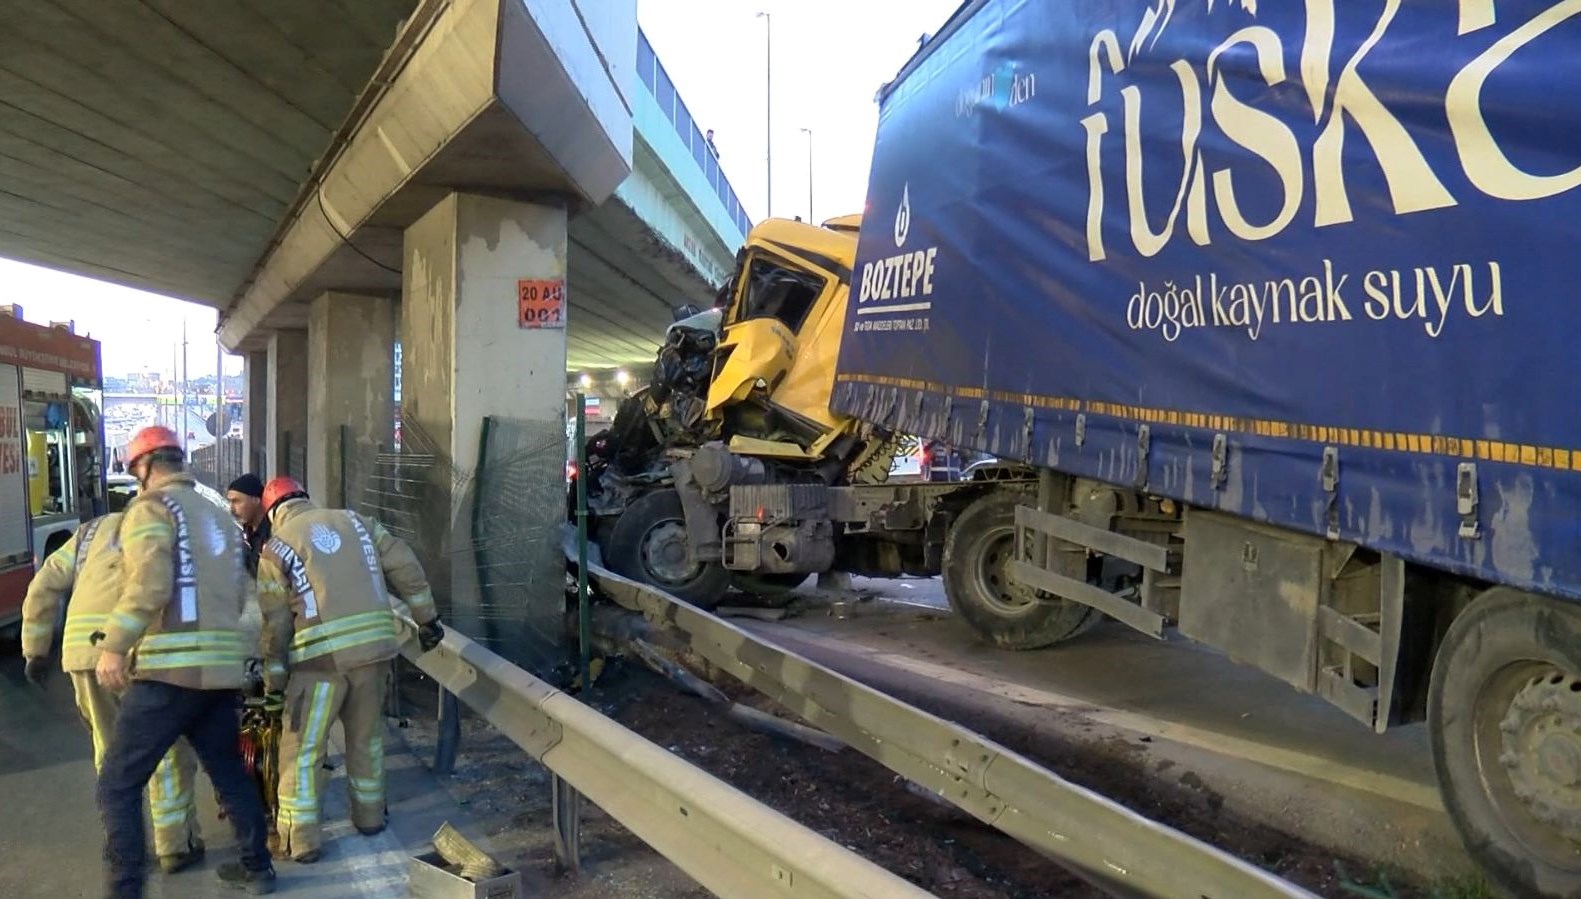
[51,447]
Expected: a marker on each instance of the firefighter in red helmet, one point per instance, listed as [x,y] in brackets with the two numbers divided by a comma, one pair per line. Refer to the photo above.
[174,644]
[325,580]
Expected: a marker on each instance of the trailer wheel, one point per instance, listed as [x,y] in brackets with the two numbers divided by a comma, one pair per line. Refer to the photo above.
[977,556]
[648,543]
[1504,718]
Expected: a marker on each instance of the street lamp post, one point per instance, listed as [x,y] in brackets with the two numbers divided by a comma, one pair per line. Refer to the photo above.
[768,111]
[811,220]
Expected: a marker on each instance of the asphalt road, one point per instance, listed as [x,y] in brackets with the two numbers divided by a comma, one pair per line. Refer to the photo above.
[51,837]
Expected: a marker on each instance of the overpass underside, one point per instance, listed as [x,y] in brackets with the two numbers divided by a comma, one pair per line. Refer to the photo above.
[342,177]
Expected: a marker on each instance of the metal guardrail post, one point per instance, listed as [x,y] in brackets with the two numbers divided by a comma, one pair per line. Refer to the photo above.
[566,807]
[447,744]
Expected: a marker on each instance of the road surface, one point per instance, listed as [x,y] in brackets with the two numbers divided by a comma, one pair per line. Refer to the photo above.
[1179,714]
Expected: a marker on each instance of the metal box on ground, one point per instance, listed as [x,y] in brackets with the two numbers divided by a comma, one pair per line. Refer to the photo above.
[427,878]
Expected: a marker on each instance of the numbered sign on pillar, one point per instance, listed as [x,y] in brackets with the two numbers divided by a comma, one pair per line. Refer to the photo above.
[540,304]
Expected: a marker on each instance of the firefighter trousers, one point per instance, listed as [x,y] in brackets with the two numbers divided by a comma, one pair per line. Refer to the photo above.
[172,805]
[313,703]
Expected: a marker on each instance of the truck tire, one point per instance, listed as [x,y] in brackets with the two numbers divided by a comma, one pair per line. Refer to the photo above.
[1504,719]
[648,543]
[977,553]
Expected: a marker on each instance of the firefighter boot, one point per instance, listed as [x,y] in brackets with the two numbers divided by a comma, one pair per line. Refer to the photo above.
[180,861]
[259,883]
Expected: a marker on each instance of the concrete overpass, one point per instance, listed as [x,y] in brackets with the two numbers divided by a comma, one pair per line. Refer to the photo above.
[337,176]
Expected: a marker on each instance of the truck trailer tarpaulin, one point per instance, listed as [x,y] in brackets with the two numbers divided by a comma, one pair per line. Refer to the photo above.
[1336,240]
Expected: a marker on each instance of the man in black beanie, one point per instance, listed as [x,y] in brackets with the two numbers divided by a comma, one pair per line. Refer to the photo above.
[245,495]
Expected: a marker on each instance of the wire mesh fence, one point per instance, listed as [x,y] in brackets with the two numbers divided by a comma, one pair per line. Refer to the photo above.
[486,533]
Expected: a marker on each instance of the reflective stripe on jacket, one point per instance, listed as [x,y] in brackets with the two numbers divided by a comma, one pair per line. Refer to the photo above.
[85,574]
[324,584]
[184,590]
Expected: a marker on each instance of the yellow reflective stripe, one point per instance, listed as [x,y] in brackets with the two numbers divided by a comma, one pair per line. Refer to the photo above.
[271,587]
[425,598]
[180,640]
[338,626]
[168,805]
[341,643]
[173,818]
[85,619]
[365,631]
[372,632]
[342,633]
[169,660]
[128,622]
[153,529]
[302,802]
[37,629]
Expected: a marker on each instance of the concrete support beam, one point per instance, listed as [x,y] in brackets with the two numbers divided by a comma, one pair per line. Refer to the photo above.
[287,391]
[350,404]
[465,359]
[255,411]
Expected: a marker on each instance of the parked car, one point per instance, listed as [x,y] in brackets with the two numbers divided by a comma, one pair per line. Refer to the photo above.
[122,487]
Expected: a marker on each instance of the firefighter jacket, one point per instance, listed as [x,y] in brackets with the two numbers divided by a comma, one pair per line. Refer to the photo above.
[325,581]
[184,589]
[85,574]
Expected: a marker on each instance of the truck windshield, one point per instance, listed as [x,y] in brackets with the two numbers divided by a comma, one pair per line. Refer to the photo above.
[775,291]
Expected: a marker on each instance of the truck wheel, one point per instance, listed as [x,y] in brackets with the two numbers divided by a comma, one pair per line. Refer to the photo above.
[648,543]
[977,556]
[1504,717]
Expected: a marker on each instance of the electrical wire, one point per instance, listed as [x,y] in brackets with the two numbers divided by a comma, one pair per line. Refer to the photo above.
[319,196]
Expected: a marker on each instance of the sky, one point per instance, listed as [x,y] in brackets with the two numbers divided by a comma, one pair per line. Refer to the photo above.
[138,331]
[829,58]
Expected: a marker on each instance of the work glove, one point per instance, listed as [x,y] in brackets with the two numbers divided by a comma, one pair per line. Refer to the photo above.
[36,670]
[429,635]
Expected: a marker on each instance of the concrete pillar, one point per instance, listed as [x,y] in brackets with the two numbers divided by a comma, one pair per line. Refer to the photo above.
[255,411]
[350,356]
[465,358]
[287,390]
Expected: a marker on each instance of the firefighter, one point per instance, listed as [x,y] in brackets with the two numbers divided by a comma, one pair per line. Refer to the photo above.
[174,644]
[87,569]
[324,587]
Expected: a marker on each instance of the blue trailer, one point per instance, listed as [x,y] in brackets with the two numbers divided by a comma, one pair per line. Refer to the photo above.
[1272,299]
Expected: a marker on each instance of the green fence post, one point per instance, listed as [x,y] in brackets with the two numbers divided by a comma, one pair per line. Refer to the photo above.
[584,615]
